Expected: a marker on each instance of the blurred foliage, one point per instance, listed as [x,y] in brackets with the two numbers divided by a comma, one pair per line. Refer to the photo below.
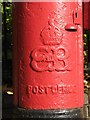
[8,14]
[6,42]
[85,56]
[1,7]
[86,53]
[0,32]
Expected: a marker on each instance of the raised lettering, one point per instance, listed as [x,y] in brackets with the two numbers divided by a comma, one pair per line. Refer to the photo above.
[50,59]
[51,89]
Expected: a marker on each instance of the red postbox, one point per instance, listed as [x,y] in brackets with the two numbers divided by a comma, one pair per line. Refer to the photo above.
[50,56]
[87,15]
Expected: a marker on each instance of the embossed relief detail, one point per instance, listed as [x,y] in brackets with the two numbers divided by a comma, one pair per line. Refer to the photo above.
[50,89]
[52,56]
[52,33]
[50,59]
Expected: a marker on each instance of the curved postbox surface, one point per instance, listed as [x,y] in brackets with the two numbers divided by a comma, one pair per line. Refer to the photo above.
[50,55]
[86,15]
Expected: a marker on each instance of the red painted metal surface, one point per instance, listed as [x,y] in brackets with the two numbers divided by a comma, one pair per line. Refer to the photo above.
[87,15]
[50,55]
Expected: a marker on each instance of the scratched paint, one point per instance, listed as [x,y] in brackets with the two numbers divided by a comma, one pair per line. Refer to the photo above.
[50,55]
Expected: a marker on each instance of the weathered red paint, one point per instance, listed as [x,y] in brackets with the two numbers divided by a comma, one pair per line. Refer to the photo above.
[50,55]
[87,15]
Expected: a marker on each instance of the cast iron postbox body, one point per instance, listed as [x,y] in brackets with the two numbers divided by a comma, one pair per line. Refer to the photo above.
[86,15]
[50,55]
